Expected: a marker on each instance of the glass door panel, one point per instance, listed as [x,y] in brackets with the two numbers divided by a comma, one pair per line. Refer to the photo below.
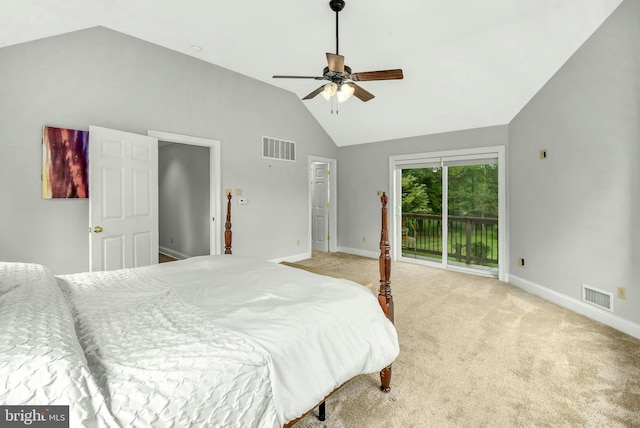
[421,226]
[472,216]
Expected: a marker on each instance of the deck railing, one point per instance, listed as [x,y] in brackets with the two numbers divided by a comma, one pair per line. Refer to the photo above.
[470,240]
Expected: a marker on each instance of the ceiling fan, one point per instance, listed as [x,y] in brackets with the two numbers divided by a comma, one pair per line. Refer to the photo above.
[341,79]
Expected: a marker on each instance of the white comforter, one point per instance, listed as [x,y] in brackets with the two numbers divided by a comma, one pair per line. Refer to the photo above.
[221,341]
[41,361]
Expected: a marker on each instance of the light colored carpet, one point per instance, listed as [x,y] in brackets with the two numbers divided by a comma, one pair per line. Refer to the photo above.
[476,352]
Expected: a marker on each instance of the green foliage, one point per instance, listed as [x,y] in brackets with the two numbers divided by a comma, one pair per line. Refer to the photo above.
[414,195]
[473,190]
[480,249]
[422,190]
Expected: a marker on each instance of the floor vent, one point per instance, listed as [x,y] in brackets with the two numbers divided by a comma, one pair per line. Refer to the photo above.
[273,148]
[599,298]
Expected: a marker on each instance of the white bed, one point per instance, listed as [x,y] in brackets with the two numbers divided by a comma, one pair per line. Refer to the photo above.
[209,341]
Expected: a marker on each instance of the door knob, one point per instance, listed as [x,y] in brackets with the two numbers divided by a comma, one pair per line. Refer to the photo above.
[97,229]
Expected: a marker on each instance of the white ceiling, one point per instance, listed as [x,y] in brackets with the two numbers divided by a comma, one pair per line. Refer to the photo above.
[466,63]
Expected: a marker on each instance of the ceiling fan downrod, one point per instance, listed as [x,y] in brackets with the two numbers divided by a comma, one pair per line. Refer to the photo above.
[337,6]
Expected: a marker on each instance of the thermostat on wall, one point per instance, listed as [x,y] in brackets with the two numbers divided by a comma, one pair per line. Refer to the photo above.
[242,201]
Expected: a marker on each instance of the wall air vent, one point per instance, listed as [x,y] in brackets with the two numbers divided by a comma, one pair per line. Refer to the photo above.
[274,148]
[599,298]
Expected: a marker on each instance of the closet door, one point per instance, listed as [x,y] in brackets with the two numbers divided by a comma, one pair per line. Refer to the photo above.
[320,206]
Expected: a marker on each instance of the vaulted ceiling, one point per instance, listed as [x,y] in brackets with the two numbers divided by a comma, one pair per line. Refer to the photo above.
[466,63]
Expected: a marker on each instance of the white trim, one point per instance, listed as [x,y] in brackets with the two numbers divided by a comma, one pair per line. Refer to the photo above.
[395,207]
[172,253]
[215,162]
[588,310]
[445,217]
[416,159]
[451,267]
[293,258]
[333,201]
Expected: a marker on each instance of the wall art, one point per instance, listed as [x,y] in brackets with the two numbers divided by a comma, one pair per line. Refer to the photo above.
[65,163]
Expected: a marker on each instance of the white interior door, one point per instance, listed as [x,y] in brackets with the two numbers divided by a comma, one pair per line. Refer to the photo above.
[123,195]
[320,206]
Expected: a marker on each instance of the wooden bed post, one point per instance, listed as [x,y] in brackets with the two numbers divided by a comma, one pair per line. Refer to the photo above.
[386,303]
[384,294]
[227,227]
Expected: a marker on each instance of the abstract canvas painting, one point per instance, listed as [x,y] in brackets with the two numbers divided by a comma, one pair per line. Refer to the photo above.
[65,163]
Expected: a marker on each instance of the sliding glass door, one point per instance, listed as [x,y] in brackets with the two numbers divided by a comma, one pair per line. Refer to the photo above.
[448,209]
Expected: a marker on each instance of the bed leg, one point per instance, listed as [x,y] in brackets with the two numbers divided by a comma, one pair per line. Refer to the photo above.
[321,411]
[385,379]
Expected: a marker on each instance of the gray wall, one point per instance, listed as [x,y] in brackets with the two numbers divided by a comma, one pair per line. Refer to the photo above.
[364,169]
[575,216]
[101,77]
[183,199]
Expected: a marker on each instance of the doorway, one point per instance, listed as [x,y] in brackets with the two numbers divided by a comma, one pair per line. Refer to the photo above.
[213,207]
[450,209]
[322,204]
[183,200]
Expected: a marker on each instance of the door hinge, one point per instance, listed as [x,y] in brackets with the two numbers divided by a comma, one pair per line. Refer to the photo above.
[328,237]
[328,205]
[328,172]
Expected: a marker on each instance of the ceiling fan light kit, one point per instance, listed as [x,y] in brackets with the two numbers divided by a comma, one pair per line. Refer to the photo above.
[341,79]
[342,92]
[330,90]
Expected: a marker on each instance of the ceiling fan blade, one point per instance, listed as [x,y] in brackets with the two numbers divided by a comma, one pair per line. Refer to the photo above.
[377,75]
[360,92]
[314,93]
[336,62]
[299,77]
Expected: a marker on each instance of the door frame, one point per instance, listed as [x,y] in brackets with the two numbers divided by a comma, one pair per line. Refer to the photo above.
[215,206]
[396,164]
[333,202]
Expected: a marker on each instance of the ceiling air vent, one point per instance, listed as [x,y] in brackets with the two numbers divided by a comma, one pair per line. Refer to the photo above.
[599,298]
[273,148]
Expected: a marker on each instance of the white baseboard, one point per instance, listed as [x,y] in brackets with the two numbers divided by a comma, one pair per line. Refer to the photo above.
[357,252]
[293,258]
[607,318]
[172,253]
[302,256]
